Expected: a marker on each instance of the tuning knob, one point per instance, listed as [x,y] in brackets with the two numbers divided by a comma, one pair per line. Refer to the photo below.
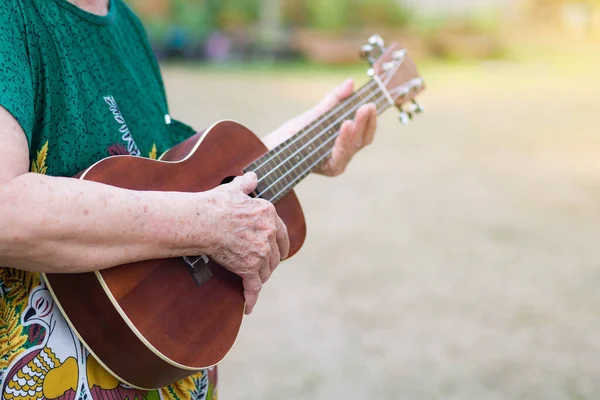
[388,66]
[366,53]
[417,84]
[376,40]
[399,55]
[416,108]
[405,117]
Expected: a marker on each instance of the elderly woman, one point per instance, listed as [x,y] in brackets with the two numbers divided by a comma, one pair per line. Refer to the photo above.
[79,82]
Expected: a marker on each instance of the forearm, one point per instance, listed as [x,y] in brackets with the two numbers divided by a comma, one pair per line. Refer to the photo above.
[50,224]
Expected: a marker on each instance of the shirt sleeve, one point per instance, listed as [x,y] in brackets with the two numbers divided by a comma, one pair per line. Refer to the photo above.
[16,86]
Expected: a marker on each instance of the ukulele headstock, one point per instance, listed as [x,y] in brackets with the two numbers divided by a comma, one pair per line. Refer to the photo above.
[397,75]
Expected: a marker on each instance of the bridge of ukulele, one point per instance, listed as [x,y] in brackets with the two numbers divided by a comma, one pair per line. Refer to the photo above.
[199,270]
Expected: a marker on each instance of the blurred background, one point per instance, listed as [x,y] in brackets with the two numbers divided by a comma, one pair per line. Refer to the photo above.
[459,256]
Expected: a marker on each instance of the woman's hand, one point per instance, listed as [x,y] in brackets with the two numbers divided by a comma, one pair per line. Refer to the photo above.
[248,237]
[354,135]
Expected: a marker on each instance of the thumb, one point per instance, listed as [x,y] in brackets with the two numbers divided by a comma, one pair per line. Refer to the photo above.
[246,183]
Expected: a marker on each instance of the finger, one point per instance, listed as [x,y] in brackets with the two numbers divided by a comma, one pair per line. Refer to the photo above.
[283,239]
[360,124]
[371,125]
[275,258]
[252,287]
[265,269]
[342,150]
[246,183]
[341,153]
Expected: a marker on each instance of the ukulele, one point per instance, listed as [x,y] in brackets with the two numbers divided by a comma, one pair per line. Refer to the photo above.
[155,322]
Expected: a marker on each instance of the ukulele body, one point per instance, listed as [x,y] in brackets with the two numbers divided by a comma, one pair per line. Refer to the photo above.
[152,323]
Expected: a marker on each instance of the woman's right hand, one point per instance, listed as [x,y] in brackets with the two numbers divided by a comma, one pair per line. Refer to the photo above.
[247,236]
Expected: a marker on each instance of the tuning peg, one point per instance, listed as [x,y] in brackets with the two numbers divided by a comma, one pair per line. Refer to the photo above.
[399,55]
[416,108]
[366,53]
[405,117]
[403,93]
[388,66]
[376,40]
[417,84]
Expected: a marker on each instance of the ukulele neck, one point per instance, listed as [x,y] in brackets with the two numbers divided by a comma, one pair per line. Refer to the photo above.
[282,168]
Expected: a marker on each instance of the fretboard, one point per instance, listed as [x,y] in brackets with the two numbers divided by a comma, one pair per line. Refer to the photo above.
[282,168]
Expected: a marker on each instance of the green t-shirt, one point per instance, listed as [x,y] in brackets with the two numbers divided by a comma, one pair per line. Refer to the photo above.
[83,87]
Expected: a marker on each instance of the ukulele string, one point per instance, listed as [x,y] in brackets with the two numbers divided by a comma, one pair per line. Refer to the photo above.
[322,118]
[301,134]
[328,153]
[323,157]
[378,102]
[323,133]
[325,143]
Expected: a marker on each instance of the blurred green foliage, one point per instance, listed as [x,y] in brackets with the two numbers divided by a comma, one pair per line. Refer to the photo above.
[476,35]
[337,15]
[236,13]
[202,16]
[329,15]
[379,13]
[447,35]
[199,17]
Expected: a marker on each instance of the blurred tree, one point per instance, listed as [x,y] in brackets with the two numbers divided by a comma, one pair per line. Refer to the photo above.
[329,15]
[336,15]
[162,16]
[270,24]
[235,14]
[580,18]
[378,13]
[294,13]
[195,17]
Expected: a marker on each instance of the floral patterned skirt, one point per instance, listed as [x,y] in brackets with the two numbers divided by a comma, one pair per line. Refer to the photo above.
[41,358]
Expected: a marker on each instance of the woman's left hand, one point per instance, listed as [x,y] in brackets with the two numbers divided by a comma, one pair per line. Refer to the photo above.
[354,134]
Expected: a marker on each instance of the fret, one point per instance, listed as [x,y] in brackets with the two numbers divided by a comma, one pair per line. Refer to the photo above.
[277,186]
[293,148]
[265,181]
[286,175]
[319,141]
[268,192]
[279,158]
[329,121]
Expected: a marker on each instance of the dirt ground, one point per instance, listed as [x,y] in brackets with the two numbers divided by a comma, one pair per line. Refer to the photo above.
[458,257]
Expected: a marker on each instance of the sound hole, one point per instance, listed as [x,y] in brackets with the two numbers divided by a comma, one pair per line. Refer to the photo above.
[229,179]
